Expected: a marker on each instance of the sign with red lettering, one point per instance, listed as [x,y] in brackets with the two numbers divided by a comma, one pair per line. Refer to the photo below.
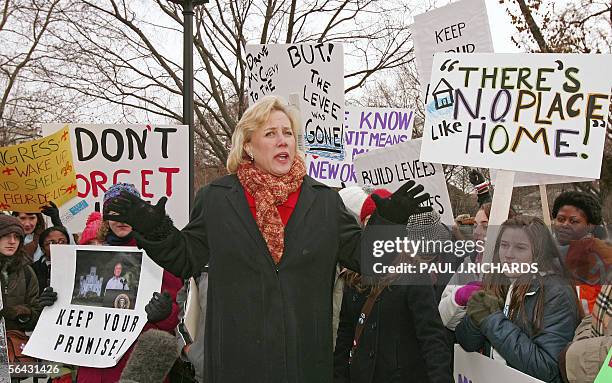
[152,157]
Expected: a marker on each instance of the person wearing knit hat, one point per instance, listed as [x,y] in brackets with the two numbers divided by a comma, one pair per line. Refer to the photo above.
[89,236]
[162,309]
[369,206]
[21,307]
[10,224]
[353,198]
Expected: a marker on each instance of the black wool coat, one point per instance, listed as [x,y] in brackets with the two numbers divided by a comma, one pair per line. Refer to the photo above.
[403,340]
[265,323]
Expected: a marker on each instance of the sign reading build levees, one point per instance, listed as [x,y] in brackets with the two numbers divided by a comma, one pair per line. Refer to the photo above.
[538,113]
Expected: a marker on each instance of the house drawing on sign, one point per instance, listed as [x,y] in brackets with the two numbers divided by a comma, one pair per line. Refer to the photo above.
[90,282]
[443,94]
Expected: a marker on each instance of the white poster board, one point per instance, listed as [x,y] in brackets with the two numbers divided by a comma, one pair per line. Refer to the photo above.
[85,326]
[316,73]
[537,113]
[391,167]
[530,179]
[364,129]
[461,27]
[472,367]
[153,158]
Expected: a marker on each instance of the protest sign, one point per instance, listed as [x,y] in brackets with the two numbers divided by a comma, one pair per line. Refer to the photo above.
[531,179]
[605,373]
[461,27]
[100,309]
[316,73]
[364,129]
[537,113]
[472,367]
[153,158]
[36,172]
[391,167]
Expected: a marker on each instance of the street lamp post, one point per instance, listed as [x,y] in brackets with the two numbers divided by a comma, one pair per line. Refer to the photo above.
[188,118]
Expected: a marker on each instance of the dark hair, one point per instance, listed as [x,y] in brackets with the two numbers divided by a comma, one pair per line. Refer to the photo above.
[588,203]
[49,230]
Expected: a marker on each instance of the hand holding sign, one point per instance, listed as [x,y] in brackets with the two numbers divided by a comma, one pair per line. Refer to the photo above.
[141,215]
[403,203]
[52,212]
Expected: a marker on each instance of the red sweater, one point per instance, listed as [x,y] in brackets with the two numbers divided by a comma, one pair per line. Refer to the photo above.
[284,210]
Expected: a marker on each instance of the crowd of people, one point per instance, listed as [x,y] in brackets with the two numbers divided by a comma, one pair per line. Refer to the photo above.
[278,257]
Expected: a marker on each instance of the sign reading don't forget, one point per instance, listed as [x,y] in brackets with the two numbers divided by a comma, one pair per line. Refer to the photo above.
[539,113]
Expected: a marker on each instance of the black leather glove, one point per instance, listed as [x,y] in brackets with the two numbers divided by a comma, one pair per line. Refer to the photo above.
[481,185]
[141,215]
[476,177]
[402,204]
[159,307]
[52,212]
[47,297]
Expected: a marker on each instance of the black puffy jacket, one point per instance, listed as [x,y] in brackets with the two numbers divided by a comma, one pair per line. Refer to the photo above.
[536,355]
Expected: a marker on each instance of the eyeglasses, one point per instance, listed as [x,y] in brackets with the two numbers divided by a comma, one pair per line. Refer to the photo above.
[54,242]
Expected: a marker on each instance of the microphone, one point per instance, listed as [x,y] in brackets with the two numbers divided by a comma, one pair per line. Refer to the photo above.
[152,358]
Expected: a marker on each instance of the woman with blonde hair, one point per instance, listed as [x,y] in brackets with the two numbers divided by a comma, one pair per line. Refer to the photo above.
[523,319]
[271,236]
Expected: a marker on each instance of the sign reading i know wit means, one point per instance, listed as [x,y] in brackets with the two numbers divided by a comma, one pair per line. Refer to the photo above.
[536,113]
[461,27]
[152,157]
[364,129]
[391,167]
[315,72]
[36,172]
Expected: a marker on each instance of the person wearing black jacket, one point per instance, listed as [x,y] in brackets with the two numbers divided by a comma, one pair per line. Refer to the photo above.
[403,340]
[272,237]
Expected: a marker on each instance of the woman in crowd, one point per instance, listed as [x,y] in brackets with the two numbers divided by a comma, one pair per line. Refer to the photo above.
[54,235]
[462,285]
[272,237]
[390,329]
[33,225]
[21,307]
[584,357]
[524,320]
[576,216]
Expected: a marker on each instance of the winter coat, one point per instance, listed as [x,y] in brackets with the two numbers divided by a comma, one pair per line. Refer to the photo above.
[19,292]
[534,354]
[403,339]
[586,354]
[172,285]
[265,322]
[43,273]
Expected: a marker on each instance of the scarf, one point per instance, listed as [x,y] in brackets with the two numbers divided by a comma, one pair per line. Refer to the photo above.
[602,312]
[113,240]
[270,191]
[30,245]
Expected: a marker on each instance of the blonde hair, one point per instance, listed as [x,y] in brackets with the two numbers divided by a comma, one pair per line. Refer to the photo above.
[254,118]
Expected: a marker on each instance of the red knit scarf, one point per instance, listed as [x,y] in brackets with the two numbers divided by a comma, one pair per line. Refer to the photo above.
[270,191]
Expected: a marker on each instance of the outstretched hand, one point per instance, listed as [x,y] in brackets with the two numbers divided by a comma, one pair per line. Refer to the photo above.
[52,212]
[476,177]
[403,203]
[133,210]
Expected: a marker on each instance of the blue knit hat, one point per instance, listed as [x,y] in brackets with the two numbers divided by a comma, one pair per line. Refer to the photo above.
[115,190]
